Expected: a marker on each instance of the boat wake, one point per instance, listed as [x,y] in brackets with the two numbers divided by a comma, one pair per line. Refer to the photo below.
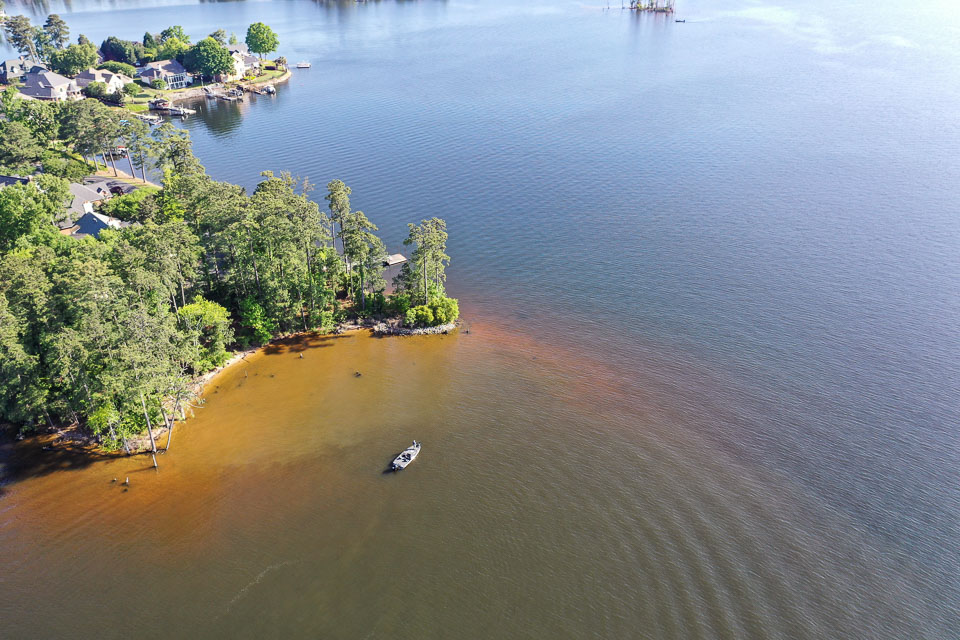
[256,581]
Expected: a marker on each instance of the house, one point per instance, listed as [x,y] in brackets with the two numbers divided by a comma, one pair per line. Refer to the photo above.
[115,81]
[47,85]
[243,62]
[6,181]
[13,69]
[84,197]
[241,53]
[170,71]
[91,224]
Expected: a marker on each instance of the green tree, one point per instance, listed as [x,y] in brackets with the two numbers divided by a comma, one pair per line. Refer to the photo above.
[209,58]
[119,67]
[114,48]
[42,118]
[23,393]
[338,199]
[57,30]
[135,136]
[233,39]
[28,209]
[96,90]
[426,277]
[129,206]
[20,35]
[261,39]
[174,32]
[365,250]
[220,36]
[207,324]
[82,39]
[90,127]
[172,49]
[255,320]
[158,83]
[18,147]
[73,59]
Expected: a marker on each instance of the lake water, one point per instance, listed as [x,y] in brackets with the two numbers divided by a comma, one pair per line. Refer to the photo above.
[711,387]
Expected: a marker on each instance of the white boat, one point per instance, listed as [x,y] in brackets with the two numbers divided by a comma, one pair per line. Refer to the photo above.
[407,456]
[303,65]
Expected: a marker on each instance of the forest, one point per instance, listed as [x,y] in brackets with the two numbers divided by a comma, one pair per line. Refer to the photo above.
[109,333]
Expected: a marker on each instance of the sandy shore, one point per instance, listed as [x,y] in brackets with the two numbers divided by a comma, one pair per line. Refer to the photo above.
[73,439]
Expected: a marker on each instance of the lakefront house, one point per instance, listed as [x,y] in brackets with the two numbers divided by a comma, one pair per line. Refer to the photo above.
[114,81]
[13,69]
[170,71]
[41,84]
[243,62]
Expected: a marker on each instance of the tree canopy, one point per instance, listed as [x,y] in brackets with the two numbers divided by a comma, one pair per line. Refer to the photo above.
[57,30]
[20,35]
[209,58]
[74,59]
[261,39]
[176,31]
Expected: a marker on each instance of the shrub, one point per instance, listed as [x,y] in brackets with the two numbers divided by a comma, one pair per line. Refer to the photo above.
[421,315]
[445,310]
[254,319]
[325,321]
[159,84]
[129,206]
[116,98]
[119,67]
[131,89]
[399,303]
[95,90]
[72,170]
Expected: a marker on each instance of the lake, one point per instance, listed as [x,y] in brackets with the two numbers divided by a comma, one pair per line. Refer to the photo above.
[711,384]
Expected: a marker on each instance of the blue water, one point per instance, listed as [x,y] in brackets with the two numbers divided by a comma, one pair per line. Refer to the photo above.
[760,205]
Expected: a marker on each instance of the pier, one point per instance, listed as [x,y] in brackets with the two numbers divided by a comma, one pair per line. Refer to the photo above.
[655,6]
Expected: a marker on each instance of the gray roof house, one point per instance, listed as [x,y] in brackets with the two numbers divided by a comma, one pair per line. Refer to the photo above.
[170,71]
[91,224]
[114,81]
[84,197]
[13,69]
[6,181]
[47,85]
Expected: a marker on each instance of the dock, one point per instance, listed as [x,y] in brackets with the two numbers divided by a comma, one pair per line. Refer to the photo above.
[394,258]
[653,6]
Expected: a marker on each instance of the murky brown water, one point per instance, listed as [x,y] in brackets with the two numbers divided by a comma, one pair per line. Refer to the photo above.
[554,497]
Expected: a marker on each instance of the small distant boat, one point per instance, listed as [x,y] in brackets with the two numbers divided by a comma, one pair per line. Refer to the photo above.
[684,20]
[407,456]
[269,89]
[303,65]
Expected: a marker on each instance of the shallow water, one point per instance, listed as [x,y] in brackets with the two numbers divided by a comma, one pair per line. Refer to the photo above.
[711,388]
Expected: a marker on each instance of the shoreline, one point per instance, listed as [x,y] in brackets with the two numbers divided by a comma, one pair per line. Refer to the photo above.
[200,92]
[70,440]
